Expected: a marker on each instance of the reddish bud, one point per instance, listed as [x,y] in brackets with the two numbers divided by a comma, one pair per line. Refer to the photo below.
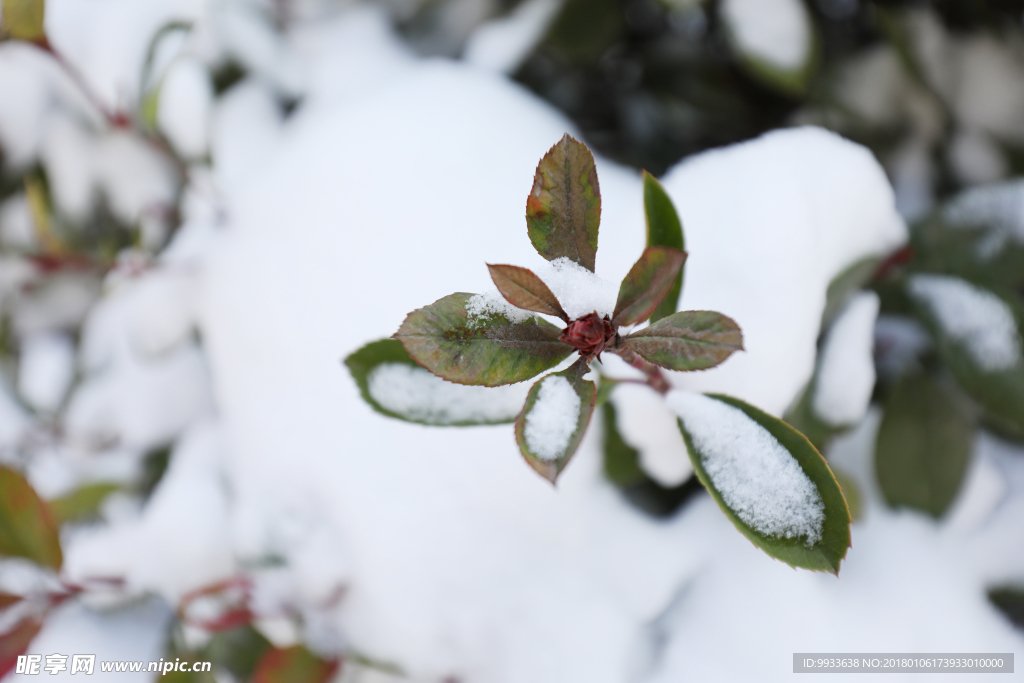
[589,335]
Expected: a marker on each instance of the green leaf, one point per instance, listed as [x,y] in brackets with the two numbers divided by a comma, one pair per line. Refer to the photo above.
[486,351]
[27,527]
[547,443]
[424,398]
[823,554]
[563,211]
[83,503]
[238,650]
[688,340]
[622,468]
[647,283]
[294,664]
[664,229]
[1008,599]
[851,491]
[16,641]
[1000,391]
[924,445]
[23,19]
[523,289]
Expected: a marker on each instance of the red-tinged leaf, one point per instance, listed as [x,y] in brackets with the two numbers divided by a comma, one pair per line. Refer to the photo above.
[547,445]
[563,211]
[488,351]
[27,527]
[523,289]
[688,340]
[294,664]
[16,641]
[7,599]
[664,229]
[650,279]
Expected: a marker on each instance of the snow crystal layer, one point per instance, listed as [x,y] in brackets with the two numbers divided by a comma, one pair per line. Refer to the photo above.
[997,207]
[776,31]
[481,307]
[578,290]
[420,395]
[756,476]
[976,318]
[846,374]
[552,420]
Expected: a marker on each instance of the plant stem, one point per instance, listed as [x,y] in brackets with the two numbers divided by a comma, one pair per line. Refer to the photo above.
[655,379]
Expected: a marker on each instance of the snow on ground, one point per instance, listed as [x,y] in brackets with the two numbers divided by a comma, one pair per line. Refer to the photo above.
[391,185]
[768,225]
[465,563]
[846,370]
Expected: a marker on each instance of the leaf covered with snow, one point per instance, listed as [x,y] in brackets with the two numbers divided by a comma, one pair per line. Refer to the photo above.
[522,288]
[688,340]
[977,333]
[647,283]
[488,350]
[555,418]
[393,384]
[27,528]
[768,479]
[563,211]
[664,229]
[924,444]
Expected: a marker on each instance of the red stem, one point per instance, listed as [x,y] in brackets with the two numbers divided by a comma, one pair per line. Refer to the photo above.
[655,379]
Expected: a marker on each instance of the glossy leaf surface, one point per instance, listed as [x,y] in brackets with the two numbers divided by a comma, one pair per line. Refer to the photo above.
[664,229]
[923,445]
[688,340]
[563,211]
[522,288]
[489,352]
[646,284]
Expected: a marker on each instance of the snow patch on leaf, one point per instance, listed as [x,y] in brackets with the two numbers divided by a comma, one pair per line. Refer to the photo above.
[998,207]
[482,307]
[578,290]
[419,395]
[975,317]
[553,419]
[756,476]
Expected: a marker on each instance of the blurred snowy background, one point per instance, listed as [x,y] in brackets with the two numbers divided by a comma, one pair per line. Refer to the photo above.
[205,205]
